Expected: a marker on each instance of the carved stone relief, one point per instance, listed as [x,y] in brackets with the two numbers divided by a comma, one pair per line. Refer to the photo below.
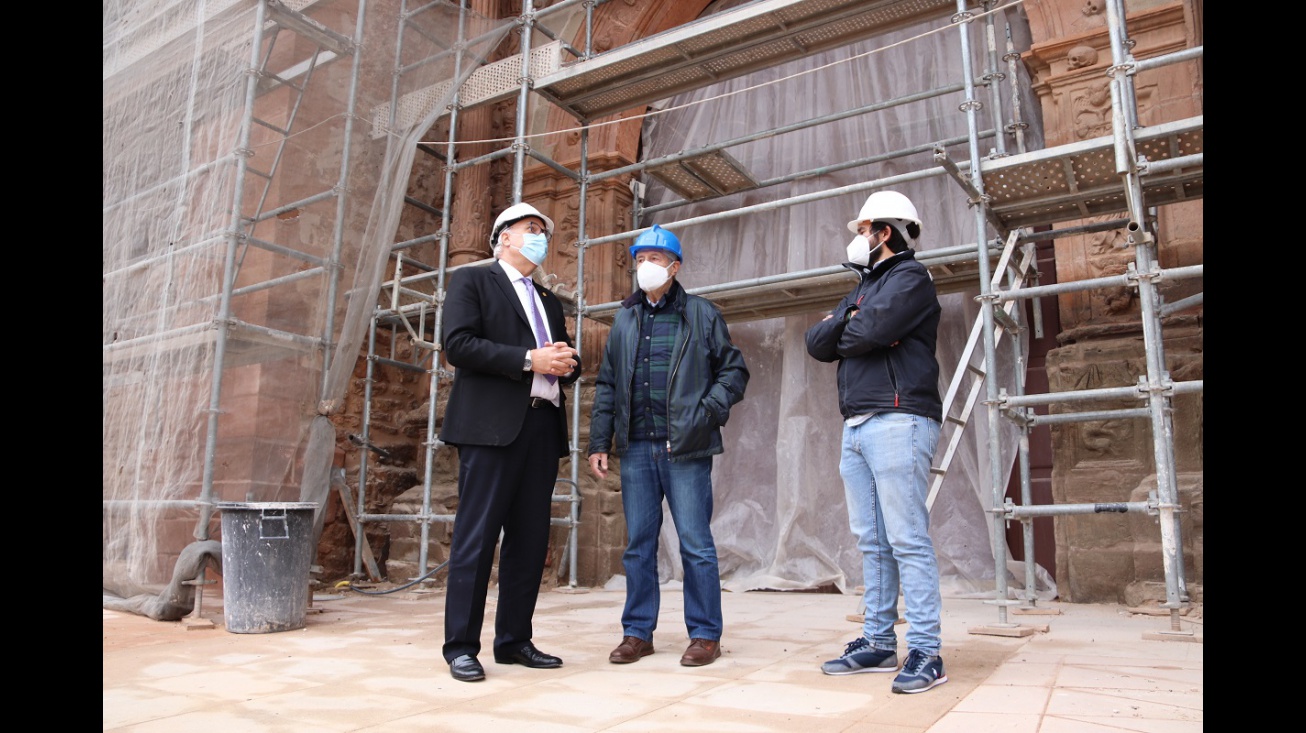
[1091,110]
[1081,56]
[1108,557]
[1090,106]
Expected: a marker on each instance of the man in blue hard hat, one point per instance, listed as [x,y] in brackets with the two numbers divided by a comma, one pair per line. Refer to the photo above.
[667,380]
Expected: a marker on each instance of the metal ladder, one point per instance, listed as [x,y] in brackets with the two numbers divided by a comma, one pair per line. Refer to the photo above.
[971,368]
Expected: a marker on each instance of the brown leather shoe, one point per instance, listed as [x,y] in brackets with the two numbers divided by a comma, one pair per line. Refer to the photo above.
[630,650]
[700,652]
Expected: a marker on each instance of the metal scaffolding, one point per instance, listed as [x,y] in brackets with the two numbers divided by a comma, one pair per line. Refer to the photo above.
[1127,174]
[206,253]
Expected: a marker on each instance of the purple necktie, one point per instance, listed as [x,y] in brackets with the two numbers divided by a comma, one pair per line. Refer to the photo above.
[541,333]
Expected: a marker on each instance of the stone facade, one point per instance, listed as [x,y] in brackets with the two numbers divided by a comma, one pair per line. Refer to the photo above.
[1116,557]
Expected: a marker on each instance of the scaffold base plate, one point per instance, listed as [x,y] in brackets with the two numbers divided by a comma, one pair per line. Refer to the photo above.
[1035,611]
[1014,630]
[1172,636]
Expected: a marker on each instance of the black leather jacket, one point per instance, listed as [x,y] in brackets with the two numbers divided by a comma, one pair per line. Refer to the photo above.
[708,376]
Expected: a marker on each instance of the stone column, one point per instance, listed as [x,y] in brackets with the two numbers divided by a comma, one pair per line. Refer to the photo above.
[472,216]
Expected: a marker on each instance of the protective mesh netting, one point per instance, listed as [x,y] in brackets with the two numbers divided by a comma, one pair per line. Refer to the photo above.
[253,182]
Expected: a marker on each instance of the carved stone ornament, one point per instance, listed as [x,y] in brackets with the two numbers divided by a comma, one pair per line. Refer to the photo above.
[1080,57]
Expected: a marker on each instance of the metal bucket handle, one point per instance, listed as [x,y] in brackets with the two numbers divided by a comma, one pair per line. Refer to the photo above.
[268,520]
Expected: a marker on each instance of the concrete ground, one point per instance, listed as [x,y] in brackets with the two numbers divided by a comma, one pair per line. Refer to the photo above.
[372,663]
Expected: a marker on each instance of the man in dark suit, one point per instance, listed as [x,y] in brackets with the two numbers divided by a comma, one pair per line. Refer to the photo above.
[507,339]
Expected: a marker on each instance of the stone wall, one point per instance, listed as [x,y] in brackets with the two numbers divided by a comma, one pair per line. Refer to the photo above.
[1113,557]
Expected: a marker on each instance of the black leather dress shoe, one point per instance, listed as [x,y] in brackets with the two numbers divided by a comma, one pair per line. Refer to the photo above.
[529,656]
[466,669]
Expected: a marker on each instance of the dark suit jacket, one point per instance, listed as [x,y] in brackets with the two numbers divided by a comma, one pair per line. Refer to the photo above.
[485,335]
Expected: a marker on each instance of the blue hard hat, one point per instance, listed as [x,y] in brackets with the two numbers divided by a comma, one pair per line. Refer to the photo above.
[657,238]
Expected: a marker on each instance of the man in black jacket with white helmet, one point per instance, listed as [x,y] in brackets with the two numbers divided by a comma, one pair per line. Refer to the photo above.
[883,335]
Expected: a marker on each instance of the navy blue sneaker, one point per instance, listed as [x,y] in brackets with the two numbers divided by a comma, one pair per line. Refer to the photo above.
[919,673]
[858,656]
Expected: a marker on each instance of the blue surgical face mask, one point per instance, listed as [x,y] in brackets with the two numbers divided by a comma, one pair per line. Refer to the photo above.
[535,247]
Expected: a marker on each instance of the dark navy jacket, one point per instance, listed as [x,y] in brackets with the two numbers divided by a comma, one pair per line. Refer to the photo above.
[886,349]
[708,376]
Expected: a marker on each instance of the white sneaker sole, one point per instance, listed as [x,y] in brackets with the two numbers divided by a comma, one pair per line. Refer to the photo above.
[931,686]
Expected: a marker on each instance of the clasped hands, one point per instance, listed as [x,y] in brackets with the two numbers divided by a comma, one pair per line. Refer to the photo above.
[847,316]
[556,358]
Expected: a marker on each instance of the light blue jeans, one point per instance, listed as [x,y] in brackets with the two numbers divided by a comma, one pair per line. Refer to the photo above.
[647,476]
[885,465]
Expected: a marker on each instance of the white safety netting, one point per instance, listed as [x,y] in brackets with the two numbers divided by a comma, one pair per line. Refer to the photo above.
[253,185]
[780,519]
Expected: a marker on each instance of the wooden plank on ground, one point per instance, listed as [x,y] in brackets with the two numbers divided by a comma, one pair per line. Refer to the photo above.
[347,501]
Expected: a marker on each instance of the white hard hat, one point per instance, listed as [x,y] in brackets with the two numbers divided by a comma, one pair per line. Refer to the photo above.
[517,212]
[883,206]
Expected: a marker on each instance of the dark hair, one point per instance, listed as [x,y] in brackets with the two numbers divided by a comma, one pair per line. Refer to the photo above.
[896,243]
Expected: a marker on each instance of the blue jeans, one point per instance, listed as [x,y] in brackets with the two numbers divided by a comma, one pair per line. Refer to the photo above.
[647,476]
[885,465]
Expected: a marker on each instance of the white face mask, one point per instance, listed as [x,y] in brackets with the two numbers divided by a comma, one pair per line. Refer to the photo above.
[651,275]
[859,251]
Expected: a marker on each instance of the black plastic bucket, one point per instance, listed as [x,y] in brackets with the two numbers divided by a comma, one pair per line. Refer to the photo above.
[266,555]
